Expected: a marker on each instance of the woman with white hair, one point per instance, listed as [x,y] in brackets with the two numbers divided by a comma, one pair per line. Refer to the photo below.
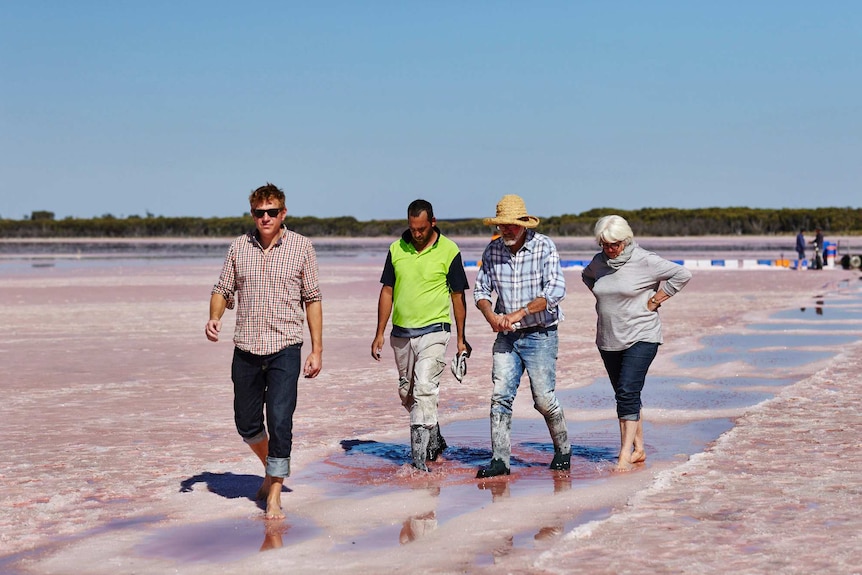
[626,281]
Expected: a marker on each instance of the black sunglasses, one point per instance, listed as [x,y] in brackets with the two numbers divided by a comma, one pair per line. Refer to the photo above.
[271,212]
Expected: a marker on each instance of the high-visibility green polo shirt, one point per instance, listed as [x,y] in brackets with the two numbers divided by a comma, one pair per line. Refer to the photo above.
[423,281]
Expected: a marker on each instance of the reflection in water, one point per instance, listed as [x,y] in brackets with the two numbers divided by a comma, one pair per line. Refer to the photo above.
[273,534]
[498,486]
[562,482]
[417,526]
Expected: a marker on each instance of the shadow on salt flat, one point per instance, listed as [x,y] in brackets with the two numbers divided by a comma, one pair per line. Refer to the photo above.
[228,485]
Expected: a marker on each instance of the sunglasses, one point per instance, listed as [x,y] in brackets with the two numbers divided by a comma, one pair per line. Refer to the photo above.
[611,245]
[271,212]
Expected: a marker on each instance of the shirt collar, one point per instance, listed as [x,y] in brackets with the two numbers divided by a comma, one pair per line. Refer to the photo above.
[407,238]
[254,237]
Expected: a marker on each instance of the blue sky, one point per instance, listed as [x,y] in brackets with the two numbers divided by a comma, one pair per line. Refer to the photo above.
[181,108]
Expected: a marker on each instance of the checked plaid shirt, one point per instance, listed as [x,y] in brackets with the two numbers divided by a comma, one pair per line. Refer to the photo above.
[534,271]
[270,290]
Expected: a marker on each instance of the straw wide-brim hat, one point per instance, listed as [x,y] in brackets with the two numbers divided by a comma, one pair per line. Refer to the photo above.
[512,210]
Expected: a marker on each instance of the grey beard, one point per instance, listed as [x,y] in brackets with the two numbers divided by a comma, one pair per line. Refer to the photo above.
[516,239]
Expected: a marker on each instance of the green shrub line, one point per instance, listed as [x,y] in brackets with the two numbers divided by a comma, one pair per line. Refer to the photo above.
[672,222]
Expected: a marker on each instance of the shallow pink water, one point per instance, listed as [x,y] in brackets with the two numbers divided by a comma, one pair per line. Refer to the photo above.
[120,453]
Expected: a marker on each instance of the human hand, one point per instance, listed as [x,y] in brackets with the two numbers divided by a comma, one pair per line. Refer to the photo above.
[496,322]
[377,347]
[212,329]
[313,365]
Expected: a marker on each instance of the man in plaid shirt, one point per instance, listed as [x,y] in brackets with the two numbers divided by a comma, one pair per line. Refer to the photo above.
[271,275]
[523,267]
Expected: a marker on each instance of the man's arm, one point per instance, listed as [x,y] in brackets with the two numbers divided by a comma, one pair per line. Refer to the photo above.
[217,306]
[314,317]
[487,312]
[459,310]
[384,309]
[536,305]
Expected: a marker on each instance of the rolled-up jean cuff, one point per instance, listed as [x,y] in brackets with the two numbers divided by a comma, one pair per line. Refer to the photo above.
[631,417]
[256,439]
[278,466]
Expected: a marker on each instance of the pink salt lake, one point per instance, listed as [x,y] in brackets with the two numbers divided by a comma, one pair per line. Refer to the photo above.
[120,453]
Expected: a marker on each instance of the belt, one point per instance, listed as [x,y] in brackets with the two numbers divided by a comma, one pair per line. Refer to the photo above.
[538,329]
[409,332]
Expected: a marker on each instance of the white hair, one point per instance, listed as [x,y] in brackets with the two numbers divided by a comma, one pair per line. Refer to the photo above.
[613,228]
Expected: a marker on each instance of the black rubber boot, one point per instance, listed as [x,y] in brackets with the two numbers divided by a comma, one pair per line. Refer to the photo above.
[561,461]
[496,468]
[560,438]
[437,444]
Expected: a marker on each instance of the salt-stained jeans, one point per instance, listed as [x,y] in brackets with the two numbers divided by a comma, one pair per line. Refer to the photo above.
[627,370]
[535,353]
[267,382]
[420,362]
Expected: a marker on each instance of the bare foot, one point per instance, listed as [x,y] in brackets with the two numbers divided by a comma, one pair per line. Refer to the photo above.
[638,456]
[273,506]
[273,499]
[623,464]
[263,491]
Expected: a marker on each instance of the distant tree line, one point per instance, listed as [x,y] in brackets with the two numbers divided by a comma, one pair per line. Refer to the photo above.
[645,222]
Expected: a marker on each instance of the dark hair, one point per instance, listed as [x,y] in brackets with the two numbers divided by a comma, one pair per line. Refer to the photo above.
[267,193]
[416,207]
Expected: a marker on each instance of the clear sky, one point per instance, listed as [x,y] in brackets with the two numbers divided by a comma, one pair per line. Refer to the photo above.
[182,107]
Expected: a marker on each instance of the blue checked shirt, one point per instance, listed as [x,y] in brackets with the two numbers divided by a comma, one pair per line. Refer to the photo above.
[534,271]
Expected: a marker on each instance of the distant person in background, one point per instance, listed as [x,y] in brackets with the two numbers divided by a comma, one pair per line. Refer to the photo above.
[818,250]
[523,267]
[800,248]
[271,274]
[626,282]
[423,271]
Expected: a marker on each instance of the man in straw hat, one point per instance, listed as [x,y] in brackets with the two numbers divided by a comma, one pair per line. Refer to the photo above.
[523,267]
[423,271]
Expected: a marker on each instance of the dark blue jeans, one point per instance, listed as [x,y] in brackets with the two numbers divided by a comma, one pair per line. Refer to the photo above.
[627,370]
[267,382]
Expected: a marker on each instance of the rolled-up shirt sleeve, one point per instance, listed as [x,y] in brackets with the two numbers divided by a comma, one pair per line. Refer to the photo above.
[226,285]
[482,289]
[310,291]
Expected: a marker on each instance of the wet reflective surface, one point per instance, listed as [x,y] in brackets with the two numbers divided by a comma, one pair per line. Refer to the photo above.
[189,497]
[224,540]
[368,468]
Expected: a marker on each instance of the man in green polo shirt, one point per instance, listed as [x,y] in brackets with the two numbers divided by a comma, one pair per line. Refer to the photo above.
[423,271]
